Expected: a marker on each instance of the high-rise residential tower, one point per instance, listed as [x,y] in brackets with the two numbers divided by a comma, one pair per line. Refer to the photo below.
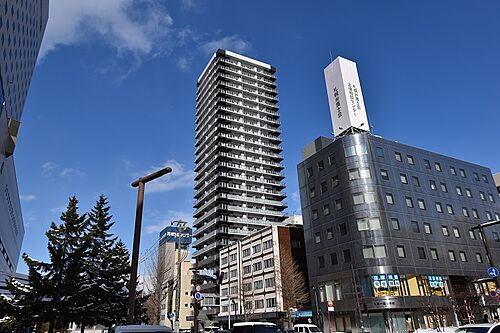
[238,158]
[22,24]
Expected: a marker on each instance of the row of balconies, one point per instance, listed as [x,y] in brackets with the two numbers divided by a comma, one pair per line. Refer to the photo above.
[248,140]
[243,178]
[254,69]
[221,231]
[237,187]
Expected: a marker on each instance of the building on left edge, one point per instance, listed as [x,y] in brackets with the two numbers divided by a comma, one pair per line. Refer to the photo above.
[22,25]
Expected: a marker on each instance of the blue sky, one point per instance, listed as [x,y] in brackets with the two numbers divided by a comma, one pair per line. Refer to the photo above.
[113,95]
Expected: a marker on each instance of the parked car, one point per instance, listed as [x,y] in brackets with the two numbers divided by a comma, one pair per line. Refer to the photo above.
[141,329]
[255,327]
[211,329]
[306,328]
[479,328]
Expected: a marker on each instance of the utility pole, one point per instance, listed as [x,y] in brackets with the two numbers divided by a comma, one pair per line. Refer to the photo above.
[141,184]
[180,228]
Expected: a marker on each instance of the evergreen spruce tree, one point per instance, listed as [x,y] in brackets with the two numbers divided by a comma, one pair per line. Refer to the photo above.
[107,269]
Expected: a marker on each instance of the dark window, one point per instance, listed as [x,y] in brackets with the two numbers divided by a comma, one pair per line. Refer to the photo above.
[343,229]
[347,256]
[476,176]
[403,178]
[409,202]
[324,187]
[415,227]
[444,188]
[410,159]
[433,185]
[333,258]
[380,152]
[398,157]
[427,228]
[321,165]
[326,210]
[329,233]
[310,172]
[331,159]
[384,174]
[462,173]
[437,166]
[321,262]
[335,181]
[421,253]
[485,178]
[427,164]
[453,171]
[416,182]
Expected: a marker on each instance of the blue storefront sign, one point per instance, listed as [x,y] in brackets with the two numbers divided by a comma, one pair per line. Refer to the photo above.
[171,234]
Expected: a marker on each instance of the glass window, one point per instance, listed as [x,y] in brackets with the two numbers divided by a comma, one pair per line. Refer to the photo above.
[465,211]
[374,251]
[401,251]
[482,196]
[338,204]
[475,213]
[258,284]
[445,230]
[468,192]
[456,232]
[343,229]
[476,176]
[326,210]
[450,210]
[312,192]
[415,227]
[321,262]
[451,255]
[358,198]
[310,172]
[347,255]
[479,258]
[421,204]
[416,182]
[437,166]
[335,181]
[324,188]
[317,237]
[384,174]
[331,159]
[365,223]
[409,202]
[491,198]
[485,178]
[421,253]
[315,214]
[389,198]
[463,256]
[434,254]
[489,217]
[443,187]
[380,151]
[459,191]
[410,159]
[439,207]
[395,224]
[472,234]
[333,258]
[433,185]
[398,157]
[359,173]
[355,150]
[427,228]
[403,178]
[462,173]
[329,233]
[321,165]
[453,171]
[427,164]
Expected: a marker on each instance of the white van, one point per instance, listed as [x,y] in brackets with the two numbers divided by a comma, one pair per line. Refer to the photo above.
[141,329]
[306,328]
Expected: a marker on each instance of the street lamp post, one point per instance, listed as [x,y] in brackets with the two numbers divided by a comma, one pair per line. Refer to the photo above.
[318,310]
[140,183]
[481,227]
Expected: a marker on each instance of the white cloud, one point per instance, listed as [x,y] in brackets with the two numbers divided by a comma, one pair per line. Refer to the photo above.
[27,197]
[48,168]
[232,43]
[166,220]
[71,172]
[179,178]
[138,27]
[184,64]
[58,210]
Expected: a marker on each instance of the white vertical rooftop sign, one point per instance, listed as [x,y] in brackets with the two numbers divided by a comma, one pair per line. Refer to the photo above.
[347,107]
